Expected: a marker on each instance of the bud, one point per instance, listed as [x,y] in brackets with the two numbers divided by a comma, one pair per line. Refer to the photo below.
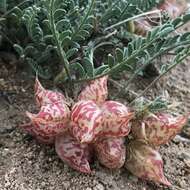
[145,162]
[76,155]
[111,152]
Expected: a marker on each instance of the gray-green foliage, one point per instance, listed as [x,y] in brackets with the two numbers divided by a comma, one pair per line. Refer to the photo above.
[69,35]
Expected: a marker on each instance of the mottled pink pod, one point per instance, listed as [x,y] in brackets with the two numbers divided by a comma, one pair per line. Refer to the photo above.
[52,119]
[39,92]
[145,162]
[76,155]
[29,128]
[96,91]
[44,96]
[158,129]
[111,152]
[116,119]
[86,119]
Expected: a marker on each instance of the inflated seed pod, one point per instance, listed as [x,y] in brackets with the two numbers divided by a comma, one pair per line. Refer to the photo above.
[75,154]
[111,152]
[54,114]
[42,138]
[86,119]
[116,119]
[158,129]
[44,96]
[96,90]
[145,162]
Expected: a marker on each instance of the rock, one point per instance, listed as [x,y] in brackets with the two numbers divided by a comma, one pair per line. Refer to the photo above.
[184,156]
[43,184]
[6,130]
[99,187]
[186,132]
[182,183]
[179,139]
[88,188]
[133,178]
[187,163]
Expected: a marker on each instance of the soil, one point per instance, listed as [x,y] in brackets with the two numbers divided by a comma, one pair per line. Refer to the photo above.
[27,165]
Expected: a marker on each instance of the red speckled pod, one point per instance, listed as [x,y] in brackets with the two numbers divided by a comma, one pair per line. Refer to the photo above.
[96,91]
[47,123]
[145,162]
[158,129]
[29,128]
[111,152]
[116,117]
[76,155]
[54,114]
[86,120]
[44,96]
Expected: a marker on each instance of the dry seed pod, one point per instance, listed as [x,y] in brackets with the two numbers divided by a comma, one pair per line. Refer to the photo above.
[145,162]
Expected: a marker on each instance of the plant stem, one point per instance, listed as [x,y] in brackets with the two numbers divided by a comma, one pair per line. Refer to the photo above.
[9,11]
[84,20]
[159,77]
[60,50]
[116,67]
[118,85]
[149,62]
[132,18]
[107,11]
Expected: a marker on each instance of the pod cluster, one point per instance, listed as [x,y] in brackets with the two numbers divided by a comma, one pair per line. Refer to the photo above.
[96,127]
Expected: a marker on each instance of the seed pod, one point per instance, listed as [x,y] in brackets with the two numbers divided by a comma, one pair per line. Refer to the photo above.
[51,120]
[76,155]
[96,91]
[158,129]
[29,128]
[111,152]
[145,162]
[86,120]
[54,115]
[44,96]
[116,118]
